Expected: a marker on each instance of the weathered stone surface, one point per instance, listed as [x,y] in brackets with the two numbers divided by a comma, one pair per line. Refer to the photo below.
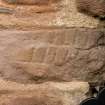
[39,54]
[40,47]
[32,2]
[57,13]
[92,7]
[50,93]
[36,56]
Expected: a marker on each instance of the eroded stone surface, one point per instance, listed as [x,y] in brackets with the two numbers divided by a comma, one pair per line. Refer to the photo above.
[57,13]
[92,7]
[50,93]
[52,55]
[52,52]
[31,2]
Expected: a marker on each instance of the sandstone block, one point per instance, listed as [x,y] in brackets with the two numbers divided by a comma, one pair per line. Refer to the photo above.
[32,14]
[48,93]
[28,57]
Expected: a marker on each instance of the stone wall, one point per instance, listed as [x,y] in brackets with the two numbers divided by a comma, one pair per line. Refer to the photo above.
[50,50]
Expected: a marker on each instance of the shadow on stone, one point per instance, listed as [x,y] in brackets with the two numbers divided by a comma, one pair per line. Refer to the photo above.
[98,100]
